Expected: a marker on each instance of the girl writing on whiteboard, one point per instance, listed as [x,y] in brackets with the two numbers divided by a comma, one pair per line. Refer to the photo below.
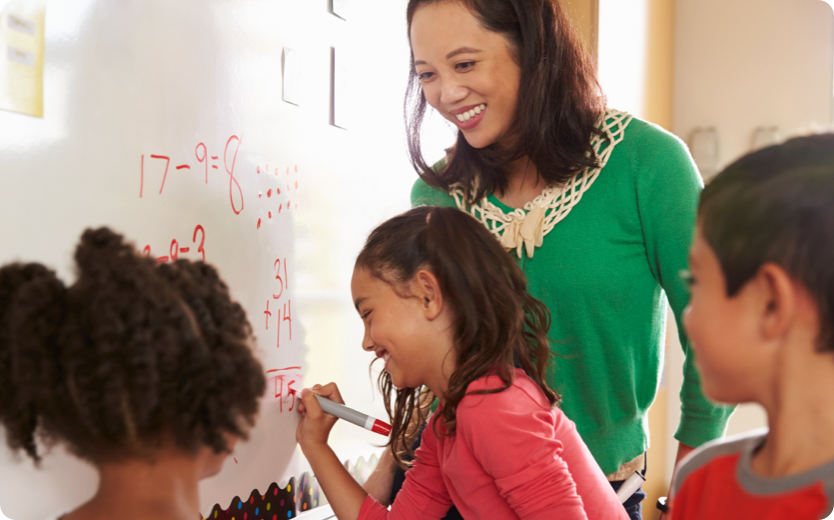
[145,371]
[596,206]
[446,308]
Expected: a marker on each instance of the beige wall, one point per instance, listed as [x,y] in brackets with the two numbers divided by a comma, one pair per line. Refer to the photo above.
[659,103]
[659,96]
[750,63]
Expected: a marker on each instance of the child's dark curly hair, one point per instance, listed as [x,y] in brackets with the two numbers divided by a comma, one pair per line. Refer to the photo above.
[130,358]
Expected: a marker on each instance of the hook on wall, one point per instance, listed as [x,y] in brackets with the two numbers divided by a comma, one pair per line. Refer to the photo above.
[764,136]
[704,146]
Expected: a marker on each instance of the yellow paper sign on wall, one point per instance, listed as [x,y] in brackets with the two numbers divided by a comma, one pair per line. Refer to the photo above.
[21,56]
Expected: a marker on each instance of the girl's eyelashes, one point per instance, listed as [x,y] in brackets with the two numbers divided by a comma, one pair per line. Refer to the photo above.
[687,277]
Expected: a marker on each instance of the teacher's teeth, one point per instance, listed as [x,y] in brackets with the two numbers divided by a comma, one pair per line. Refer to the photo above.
[466,116]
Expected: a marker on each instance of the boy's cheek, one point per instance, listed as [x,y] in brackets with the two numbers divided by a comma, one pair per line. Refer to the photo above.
[721,381]
[699,329]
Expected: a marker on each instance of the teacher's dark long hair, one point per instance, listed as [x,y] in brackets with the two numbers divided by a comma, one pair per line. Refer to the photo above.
[559,103]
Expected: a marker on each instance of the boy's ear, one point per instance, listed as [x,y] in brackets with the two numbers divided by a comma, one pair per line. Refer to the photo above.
[427,288]
[777,300]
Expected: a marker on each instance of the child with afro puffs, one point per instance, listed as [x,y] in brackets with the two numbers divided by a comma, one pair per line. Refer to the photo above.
[144,370]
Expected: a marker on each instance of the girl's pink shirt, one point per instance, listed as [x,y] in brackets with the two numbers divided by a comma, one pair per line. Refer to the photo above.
[513,456]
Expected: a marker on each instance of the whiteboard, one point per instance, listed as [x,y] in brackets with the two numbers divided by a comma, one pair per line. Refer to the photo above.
[166,121]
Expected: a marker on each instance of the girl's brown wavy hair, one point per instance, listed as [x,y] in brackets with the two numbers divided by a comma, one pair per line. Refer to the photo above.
[498,325]
[559,101]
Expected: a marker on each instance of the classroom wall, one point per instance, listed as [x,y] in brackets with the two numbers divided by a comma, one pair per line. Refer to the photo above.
[658,97]
[750,63]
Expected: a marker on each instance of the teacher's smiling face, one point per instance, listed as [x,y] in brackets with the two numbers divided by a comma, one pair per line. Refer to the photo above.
[467,72]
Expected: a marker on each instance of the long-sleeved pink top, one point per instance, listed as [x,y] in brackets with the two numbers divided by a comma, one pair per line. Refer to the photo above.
[512,456]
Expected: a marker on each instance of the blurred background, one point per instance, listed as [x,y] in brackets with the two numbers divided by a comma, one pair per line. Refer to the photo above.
[727,77]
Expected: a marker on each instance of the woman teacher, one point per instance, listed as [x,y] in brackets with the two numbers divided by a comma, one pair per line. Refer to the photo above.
[597,207]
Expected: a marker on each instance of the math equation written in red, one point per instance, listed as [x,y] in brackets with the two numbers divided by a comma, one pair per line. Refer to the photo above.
[162,165]
[282,310]
[282,382]
[197,247]
[154,170]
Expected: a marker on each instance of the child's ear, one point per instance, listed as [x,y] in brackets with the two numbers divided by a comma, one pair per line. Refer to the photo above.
[427,288]
[777,300]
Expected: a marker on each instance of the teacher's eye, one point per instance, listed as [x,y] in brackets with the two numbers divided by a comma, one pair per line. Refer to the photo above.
[687,277]
[424,76]
[366,314]
[464,66]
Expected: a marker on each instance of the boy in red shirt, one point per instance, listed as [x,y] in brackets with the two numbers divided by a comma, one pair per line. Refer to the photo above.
[761,321]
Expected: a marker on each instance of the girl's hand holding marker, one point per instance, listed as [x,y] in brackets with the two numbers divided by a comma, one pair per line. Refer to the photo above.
[314,428]
[333,408]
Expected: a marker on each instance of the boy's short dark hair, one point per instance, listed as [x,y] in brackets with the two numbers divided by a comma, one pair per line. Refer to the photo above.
[777,205]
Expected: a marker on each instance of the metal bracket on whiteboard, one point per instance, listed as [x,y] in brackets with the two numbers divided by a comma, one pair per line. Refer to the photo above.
[340,8]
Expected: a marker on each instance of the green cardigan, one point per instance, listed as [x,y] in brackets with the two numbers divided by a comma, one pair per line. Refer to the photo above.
[605,273]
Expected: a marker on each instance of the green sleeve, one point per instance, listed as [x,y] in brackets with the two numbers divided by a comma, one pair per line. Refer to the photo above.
[668,187]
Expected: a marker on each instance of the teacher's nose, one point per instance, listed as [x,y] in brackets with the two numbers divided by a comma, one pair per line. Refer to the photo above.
[452,92]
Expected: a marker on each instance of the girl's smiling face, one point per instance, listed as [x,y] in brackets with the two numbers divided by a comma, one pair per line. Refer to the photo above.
[467,72]
[395,328]
[409,328]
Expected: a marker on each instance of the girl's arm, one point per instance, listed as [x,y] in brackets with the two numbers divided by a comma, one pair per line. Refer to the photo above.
[379,485]
[345,495]
[423,496]
[381,482]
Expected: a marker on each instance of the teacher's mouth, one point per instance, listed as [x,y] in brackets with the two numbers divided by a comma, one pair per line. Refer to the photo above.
[469,117]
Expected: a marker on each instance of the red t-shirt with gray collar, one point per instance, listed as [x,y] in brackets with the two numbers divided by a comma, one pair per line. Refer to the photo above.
[717,482]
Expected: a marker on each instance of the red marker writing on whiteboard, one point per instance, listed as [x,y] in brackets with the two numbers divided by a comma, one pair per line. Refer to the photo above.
[350,415]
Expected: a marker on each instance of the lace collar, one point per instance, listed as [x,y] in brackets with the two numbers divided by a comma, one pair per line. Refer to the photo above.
[526,228]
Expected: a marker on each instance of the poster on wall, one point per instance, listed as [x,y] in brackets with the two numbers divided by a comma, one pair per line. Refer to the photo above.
[21,61]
